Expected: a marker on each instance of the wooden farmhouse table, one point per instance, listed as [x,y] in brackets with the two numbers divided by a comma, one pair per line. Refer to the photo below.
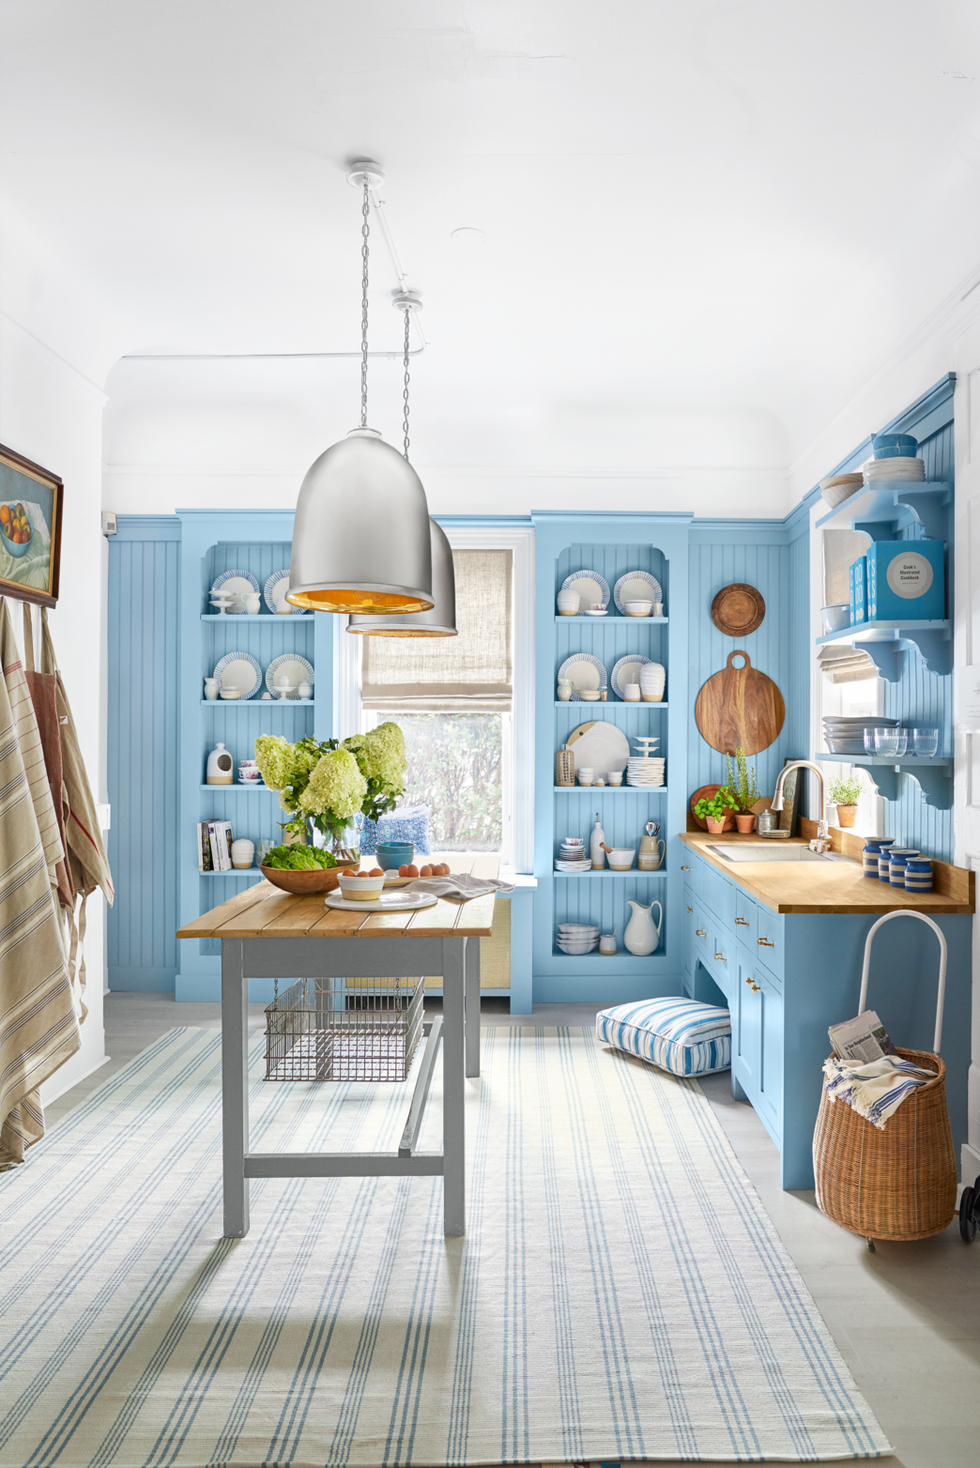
[265,933]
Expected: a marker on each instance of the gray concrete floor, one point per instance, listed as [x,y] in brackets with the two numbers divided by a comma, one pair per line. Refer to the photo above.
[906,1318]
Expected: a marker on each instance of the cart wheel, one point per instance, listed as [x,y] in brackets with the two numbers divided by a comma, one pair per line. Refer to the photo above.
[871,1247]
[968,1221]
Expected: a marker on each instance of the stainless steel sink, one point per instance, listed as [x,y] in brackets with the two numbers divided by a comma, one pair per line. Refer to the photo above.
[763,851]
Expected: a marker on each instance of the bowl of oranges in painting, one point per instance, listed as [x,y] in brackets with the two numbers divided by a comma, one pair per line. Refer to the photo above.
[16,529]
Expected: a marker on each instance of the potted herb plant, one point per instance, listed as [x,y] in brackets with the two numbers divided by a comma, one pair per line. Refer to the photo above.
[845,792]
[742,789]
[715,810]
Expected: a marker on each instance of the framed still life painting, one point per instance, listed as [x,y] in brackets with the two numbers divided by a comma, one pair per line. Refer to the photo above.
[30,530]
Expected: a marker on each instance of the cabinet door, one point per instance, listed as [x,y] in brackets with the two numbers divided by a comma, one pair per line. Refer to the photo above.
[722,960]
[745,917]
[747,1027]
[770,1097]
[719,895]
[692,869]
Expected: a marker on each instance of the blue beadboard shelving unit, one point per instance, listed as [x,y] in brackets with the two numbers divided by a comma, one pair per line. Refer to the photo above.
[258,541]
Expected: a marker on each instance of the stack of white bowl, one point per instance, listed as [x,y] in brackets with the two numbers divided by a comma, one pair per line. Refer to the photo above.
[573,856]
[577,938]
[844,733]
[653,676]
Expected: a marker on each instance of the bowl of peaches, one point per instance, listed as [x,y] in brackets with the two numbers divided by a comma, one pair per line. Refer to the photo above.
[16,529]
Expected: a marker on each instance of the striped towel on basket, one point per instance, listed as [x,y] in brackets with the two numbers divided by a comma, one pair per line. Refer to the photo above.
[679,1035]
[876,1089]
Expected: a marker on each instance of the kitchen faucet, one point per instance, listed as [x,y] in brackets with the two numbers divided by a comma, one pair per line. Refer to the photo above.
[822,842]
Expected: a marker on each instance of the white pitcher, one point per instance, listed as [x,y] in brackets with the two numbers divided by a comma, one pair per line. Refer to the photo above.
[642,934]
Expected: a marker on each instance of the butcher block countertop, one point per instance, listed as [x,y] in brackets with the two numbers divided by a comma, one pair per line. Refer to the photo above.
[832,886]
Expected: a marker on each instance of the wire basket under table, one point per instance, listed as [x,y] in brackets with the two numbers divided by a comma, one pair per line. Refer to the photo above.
[344,1030]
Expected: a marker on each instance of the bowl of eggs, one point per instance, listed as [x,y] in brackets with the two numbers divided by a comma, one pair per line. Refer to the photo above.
[16,529]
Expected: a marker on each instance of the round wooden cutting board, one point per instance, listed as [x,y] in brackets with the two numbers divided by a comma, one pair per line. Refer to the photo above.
[739,706]
[738,609]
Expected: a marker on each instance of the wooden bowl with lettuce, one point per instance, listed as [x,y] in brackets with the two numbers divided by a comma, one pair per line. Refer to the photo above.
[302,870]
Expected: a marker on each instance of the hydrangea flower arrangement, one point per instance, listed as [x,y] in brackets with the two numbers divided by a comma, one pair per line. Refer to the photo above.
[328,782]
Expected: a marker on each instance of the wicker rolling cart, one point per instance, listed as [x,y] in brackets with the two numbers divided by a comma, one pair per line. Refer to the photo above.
[899,1183]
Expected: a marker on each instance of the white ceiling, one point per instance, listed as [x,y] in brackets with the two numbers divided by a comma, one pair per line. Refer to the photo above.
[723,214]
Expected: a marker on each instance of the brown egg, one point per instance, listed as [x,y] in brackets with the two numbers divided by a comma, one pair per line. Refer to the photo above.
[348,872]
[425,871]
[405,871]
[375,872]
[442,870]
[412,871]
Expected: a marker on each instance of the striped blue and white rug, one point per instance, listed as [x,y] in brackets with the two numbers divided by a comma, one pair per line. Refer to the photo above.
[620,1293]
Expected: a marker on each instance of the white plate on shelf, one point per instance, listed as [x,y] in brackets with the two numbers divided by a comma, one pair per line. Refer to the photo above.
[238,585]
[387,902]
[295,668]
[585,671]
[591,587]
[239,670]
[636,586]
[599,745]
[275,594]
[627,670]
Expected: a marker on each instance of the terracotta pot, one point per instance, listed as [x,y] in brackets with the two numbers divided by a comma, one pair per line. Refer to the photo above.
[745,823]
[715,828]
[846,815]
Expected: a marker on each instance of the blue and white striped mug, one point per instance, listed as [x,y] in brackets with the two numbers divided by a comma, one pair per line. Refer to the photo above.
[918,874]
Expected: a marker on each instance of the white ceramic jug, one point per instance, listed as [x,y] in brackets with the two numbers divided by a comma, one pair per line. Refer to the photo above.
[253,604]
[642,933]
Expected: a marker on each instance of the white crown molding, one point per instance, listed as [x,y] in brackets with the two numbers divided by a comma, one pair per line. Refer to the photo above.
[450,471]
[50,357]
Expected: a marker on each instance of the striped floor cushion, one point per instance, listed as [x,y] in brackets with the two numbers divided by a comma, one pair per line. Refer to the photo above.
[679,1035]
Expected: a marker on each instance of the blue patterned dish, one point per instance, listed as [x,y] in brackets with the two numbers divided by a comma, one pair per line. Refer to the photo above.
[233,670]
[238,585]
[592,588]
[627,670]
[591,673]
[636,586]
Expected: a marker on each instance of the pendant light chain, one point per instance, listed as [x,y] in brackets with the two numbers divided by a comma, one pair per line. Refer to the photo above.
[405,388]
[365,232]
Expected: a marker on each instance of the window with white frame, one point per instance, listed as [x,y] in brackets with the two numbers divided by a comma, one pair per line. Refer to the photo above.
[850,685]
[464,702]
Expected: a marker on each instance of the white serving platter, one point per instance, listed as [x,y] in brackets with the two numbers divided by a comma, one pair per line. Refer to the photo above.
[599,746]
[590,586]
[387,902]
[636,586]
[239,670]
[627,670]
[238,585]
[585,671]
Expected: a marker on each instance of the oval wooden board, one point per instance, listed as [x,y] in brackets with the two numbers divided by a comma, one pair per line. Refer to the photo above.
[738,609]
[739,706]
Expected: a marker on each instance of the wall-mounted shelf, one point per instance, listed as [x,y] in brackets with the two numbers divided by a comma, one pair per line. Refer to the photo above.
[254,703]
[616,619]
[264,617]
[890,506]
[605,789]
[883,641]
[242,785]
[611,876]
[933,774]
[617,703]
[235,872]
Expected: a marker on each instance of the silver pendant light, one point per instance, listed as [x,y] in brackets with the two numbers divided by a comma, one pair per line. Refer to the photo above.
[440,621]
[361,537]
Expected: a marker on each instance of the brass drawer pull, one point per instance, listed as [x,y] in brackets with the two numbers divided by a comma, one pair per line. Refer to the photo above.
[722,957]
[685,869]
[741,922]
[690,909]
[753,985]
[764,943]
[701,932]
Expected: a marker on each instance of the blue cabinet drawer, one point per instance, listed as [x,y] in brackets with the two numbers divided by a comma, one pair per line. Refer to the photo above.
[719,895]
[745,914]
[769,939]
[692,869]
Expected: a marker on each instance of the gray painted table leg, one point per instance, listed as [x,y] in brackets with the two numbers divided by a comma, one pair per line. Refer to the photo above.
[472,1006]
[234,1086]
[453,1087]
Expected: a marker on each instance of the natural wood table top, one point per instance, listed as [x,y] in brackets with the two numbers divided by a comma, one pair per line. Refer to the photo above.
[263,911]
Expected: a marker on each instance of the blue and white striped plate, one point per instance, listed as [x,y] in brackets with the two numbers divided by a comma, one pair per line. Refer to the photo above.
[294,667]
[591,673]
[239,670]
[236,584]
[636,586]
[627,670]
[590,586]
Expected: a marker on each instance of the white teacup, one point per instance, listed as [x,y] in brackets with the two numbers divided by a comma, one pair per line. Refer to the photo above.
[614,777]
[585,776]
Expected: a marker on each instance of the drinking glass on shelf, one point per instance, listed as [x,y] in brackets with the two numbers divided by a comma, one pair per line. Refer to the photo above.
[886,741]
[903,740]
[869,740]
[926,741]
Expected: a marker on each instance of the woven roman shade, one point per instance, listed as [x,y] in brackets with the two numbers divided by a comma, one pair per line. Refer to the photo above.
[472,673]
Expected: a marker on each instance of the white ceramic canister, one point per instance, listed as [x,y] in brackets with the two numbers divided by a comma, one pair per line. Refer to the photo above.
[242,854]
[568,603]
[305,691]
[918,874]
[220,767]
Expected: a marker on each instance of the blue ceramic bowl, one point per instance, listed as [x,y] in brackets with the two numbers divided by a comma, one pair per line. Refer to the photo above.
[9,546]
[394,854]
[894,446]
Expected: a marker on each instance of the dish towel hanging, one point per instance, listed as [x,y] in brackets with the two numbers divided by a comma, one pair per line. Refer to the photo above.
[88,861]
[876,1089]
[38,1023]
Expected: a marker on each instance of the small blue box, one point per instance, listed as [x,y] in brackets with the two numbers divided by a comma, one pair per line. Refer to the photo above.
[906,581]
[859,604]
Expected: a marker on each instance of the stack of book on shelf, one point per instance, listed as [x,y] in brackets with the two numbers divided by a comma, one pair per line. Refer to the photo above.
[214,846]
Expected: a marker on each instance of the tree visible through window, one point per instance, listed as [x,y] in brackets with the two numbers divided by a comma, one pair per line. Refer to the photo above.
[454,767]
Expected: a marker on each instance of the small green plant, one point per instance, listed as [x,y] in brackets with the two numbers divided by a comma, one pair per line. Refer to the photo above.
[717,808]
[741,782]
[846,789]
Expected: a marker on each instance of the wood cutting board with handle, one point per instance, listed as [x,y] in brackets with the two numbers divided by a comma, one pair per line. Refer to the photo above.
[739,706]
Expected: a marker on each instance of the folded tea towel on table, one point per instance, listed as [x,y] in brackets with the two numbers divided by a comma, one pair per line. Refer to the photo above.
[877,1089]
[461,887]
